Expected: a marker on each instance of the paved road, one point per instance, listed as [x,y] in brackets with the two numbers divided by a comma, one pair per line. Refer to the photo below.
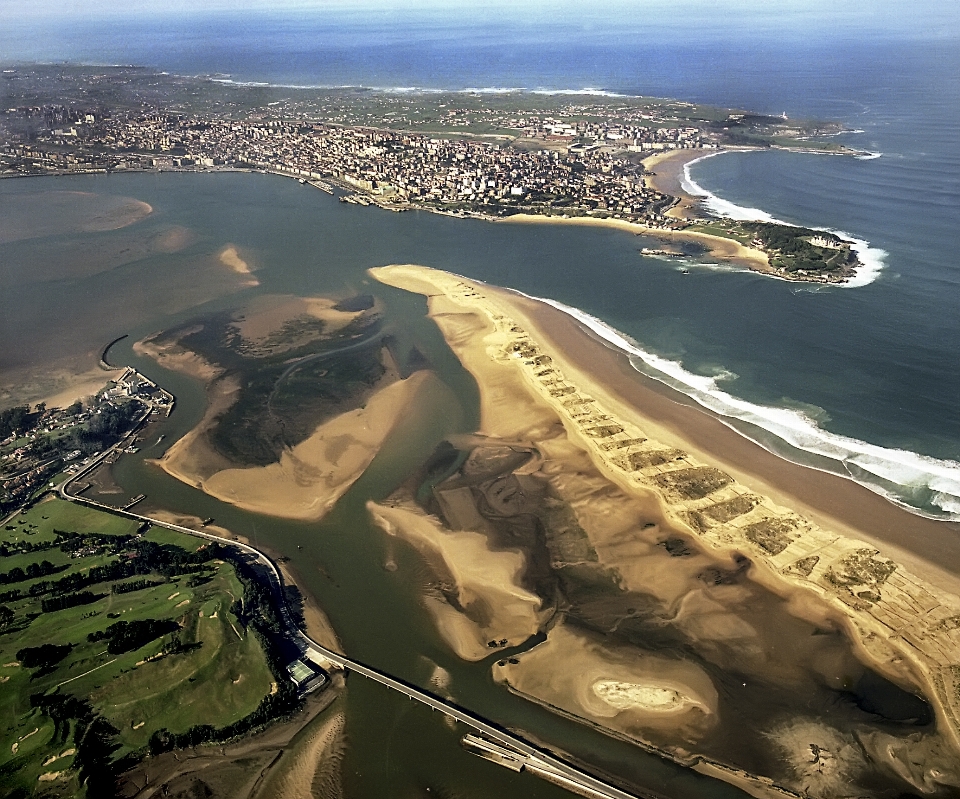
[321,655]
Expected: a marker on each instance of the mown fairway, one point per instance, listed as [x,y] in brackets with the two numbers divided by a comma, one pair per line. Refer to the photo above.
[219,674]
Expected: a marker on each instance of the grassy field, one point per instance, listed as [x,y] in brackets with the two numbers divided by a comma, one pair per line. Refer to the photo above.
[220,677]
[724,230]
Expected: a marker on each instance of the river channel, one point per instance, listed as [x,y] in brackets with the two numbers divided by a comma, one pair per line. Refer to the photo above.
[303,242]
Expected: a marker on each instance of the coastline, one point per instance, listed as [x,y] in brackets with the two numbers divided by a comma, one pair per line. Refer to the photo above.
[666,175]
[900,624]
[668,180]
[718,247]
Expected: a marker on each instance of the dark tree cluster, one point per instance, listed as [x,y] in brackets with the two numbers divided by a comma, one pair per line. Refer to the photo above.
[140,557]
[65,601]
[107,426]
[94,738]
[257,612]
[16,420]
[134,585]
[31,572]
[125,636]
[44,656]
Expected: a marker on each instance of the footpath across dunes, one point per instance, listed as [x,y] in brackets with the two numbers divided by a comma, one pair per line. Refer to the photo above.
[899,613]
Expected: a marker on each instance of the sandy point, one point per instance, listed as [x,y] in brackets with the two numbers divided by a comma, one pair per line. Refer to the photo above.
[230,257]
[831,547]
[717,246]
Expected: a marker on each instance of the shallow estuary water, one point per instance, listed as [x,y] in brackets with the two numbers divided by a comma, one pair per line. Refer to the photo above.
[302,241]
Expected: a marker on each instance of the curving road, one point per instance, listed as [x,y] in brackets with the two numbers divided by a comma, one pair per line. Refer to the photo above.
[538,759]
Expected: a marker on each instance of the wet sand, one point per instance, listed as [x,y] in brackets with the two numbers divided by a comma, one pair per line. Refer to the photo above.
[312,758]
[81,387]
[718,247]
[49,213]
[191,458]
[248,767]
[841,555]
[582,674]
[271,312]
[494,607]
[230,257]
[310,477]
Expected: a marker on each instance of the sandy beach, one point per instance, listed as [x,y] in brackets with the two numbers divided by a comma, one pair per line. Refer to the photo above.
[310,477]
[230,257]
[666,176]
[667,168]
[494,606]
[718,247]
[307,479]
[839,554]
[81,386]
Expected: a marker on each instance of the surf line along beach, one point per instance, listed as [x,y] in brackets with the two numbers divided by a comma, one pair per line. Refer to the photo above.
[666,176]
[887,576]
[668,173]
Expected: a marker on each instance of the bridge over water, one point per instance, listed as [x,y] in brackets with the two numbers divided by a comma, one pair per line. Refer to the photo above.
[505,747]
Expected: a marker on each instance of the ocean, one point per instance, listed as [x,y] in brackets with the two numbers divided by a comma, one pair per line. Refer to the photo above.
[863,380]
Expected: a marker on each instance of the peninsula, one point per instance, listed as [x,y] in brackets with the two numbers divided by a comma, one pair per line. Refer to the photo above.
[543,158]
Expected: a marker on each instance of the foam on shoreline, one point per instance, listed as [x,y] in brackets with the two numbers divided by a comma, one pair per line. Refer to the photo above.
[587,91]
[831,557]
[871,258]
[920,483]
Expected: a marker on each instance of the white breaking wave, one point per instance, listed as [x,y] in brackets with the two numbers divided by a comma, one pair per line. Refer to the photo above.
[587,91]
[902,476]
[492,90]
[871,258]
[416,89]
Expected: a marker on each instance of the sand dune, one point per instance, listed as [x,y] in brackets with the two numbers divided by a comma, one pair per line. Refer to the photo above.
[582,674]
[897,622]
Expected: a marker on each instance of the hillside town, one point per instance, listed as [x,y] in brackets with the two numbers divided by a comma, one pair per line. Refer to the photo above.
[572,158]
[394,169]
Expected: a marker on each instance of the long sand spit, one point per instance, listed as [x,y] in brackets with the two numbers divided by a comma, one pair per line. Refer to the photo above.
[889,576]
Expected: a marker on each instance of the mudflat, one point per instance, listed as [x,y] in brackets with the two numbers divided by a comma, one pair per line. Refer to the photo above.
[768,570]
